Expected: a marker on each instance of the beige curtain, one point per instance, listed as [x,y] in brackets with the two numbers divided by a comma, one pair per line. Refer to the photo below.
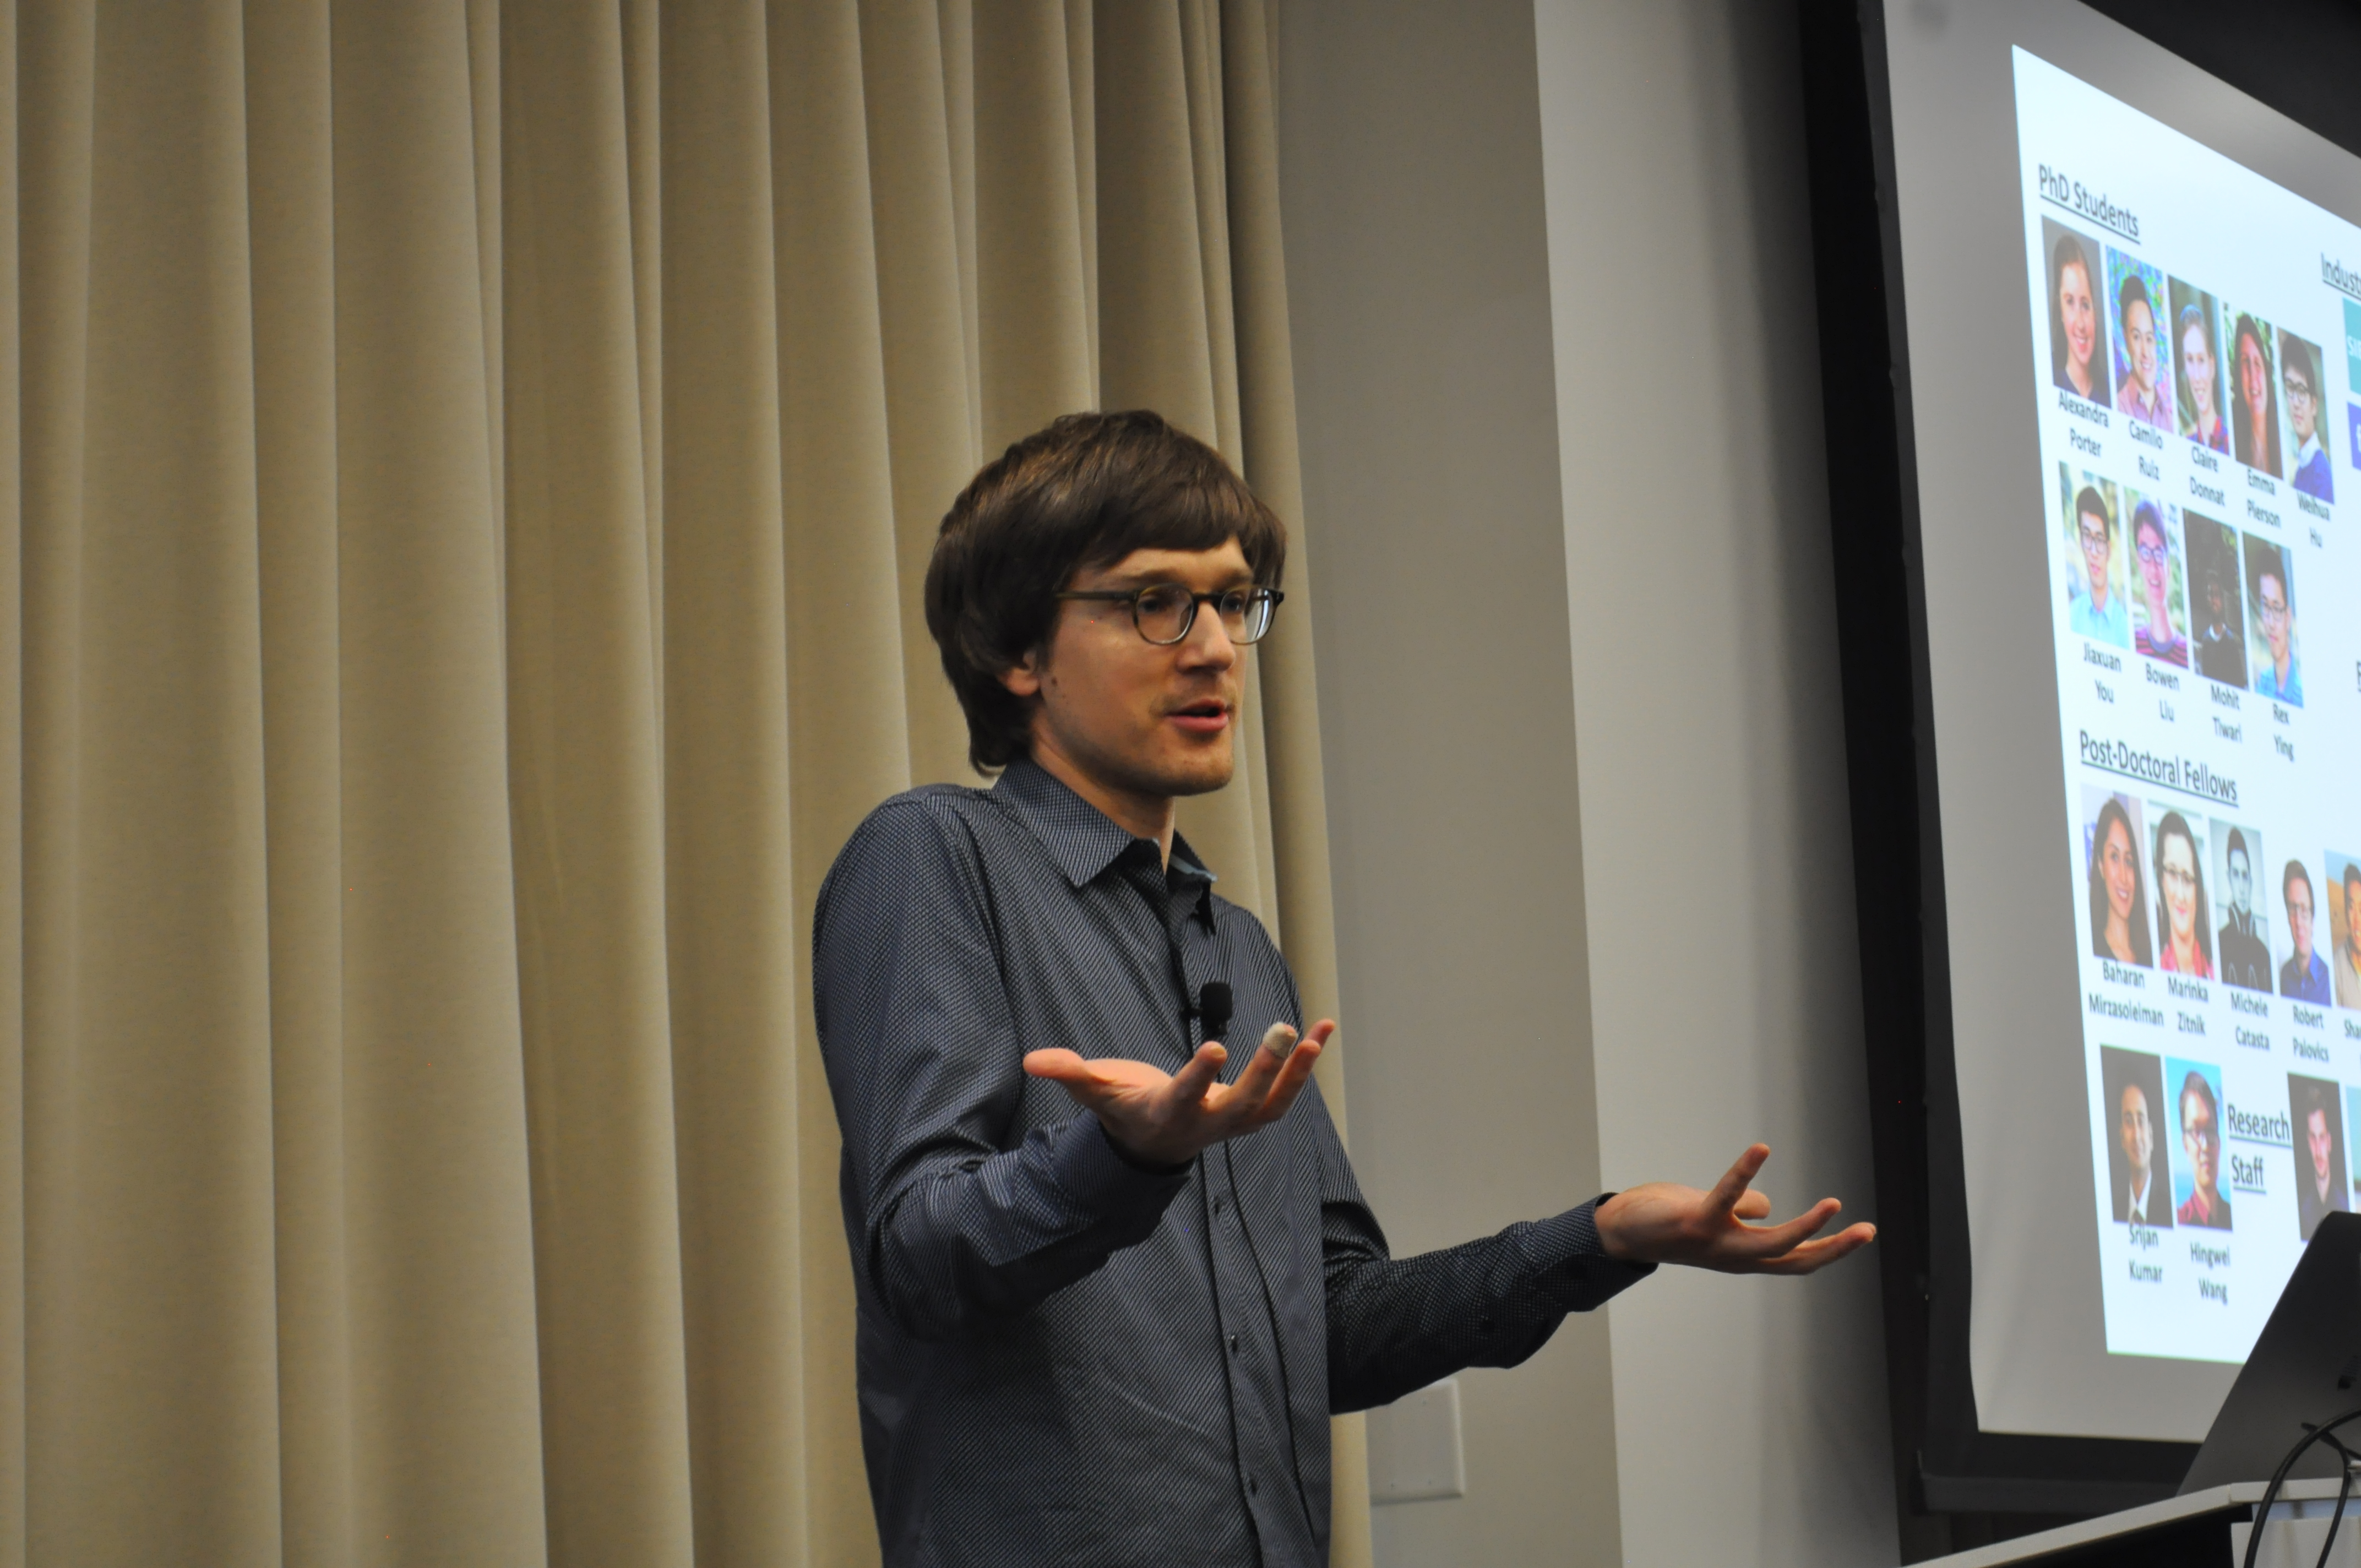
[469,471]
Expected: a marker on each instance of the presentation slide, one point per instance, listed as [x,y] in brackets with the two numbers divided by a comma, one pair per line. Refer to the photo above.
[2131,303]
[2196,352]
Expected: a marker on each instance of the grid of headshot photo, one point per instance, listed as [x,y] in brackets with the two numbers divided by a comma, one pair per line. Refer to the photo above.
[2181,891]
[2165,1164]
[2164,351]
[2178,586]
[2164,1148]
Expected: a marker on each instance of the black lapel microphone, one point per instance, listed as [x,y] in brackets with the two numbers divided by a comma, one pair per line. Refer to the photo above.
[1214,1003]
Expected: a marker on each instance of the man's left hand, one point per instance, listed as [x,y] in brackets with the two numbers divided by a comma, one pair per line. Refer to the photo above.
[1663,1222]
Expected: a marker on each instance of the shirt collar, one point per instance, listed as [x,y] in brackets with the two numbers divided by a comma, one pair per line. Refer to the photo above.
[1083,839]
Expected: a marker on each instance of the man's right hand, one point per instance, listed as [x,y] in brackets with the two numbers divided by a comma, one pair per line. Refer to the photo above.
[1165,1120]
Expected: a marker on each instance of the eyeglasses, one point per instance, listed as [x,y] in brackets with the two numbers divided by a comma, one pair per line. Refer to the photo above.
[2275,610]
[1165,612]
[2297,392]
[2154,555]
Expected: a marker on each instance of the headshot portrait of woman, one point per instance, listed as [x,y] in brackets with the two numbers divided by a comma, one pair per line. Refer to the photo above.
[2199,395]
[2077,333]
[2143,363]
[2118,898]
[2184,931]
[2254,396]
[2163,604]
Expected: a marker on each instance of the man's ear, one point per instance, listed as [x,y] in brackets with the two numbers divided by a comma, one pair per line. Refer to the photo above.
[1023,678]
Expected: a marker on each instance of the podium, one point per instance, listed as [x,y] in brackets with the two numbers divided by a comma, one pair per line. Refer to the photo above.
[2201,1530]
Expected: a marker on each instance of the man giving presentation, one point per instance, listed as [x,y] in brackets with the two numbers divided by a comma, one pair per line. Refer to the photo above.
[1113,1272]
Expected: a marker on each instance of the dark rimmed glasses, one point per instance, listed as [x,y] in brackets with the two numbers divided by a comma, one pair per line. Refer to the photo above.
[1164,612]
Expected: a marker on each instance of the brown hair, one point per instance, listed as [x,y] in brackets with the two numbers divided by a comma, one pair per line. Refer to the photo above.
[1085,492]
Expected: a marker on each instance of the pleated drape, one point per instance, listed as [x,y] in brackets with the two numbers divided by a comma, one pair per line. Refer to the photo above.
[468,469]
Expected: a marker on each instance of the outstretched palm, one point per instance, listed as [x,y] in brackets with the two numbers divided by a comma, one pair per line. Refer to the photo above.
[1663,1222]
[1166,1119]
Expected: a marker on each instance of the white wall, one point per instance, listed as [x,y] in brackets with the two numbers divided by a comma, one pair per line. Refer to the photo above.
[1566,246]
[1724,995]
[1418,286]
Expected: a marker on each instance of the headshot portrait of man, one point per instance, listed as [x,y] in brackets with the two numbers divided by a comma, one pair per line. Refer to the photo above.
[2348,951]
[2241,956]
[2097,610]
[2300,380]
[2277,676]
[2304,976]
[2200,1145]
[2140,391]
[2220,640]
[2319,1130]
[2077,337]
[1113,1270]
[2141,1178]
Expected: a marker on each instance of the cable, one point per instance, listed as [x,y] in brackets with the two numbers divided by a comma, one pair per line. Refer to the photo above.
[2279,1478]
[2343,1491]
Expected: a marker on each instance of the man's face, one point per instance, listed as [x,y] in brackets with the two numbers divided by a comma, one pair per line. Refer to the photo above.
[2139,1137]
[1126,713]
[2156,564]
[2242,881]
[2299,908]
[2199,1140]
[2270,595]
[2315,1137]
[2217,604]
[2353,917]
[2303,408]
[2139,345]
[2093,528]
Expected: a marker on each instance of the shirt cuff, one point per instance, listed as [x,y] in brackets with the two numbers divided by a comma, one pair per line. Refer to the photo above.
[1088,1167]
[1571,1263]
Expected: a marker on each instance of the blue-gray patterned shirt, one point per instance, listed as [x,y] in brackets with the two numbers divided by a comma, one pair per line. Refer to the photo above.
[1063,1358]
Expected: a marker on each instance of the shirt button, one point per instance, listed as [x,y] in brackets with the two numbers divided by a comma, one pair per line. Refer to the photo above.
[1233,1344]
[1254,1487]
[1217,1205]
